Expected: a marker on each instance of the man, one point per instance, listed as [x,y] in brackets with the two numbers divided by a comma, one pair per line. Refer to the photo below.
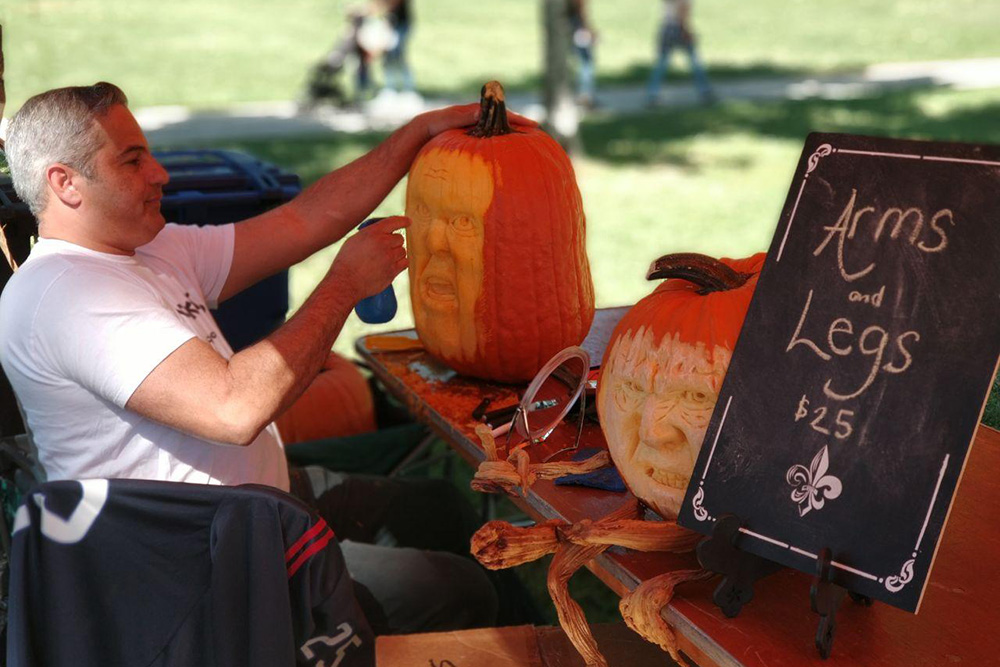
[122,372]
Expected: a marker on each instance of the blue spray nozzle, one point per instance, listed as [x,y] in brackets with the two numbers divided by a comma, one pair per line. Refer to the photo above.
[381,307]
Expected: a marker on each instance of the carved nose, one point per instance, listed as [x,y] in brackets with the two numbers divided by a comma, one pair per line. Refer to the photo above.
[657,428]
[437,237]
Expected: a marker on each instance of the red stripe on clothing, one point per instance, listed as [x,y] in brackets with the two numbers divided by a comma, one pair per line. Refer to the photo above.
[313,549]
[317,528]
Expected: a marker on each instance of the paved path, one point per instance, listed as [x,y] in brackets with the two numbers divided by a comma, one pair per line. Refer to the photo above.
[164,125]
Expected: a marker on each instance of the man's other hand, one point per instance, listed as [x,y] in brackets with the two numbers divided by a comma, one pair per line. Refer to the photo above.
[463,115]
[370,259]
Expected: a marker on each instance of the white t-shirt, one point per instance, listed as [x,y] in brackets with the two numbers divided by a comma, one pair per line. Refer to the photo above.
[79,332]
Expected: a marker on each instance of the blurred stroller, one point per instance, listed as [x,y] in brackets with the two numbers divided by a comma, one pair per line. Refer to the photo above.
[365,38]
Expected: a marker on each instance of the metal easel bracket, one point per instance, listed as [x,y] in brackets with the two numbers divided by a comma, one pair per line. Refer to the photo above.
[825,598]
[740,569]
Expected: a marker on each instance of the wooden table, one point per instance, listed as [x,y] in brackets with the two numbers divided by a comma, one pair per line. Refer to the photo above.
[957,623]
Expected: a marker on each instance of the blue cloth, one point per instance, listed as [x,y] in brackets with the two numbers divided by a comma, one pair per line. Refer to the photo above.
[606,478]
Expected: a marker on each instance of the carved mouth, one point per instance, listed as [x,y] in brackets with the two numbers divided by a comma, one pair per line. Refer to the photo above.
[674,480]
[655,464]
[440,289]
[439,292]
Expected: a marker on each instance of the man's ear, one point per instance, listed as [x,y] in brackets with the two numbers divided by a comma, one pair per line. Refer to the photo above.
[62,181]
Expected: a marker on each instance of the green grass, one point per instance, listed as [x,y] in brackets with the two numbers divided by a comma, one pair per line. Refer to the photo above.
[991,417]
[208,54]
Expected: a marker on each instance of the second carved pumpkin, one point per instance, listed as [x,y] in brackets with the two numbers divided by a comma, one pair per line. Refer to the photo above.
[663,369]
[499,276]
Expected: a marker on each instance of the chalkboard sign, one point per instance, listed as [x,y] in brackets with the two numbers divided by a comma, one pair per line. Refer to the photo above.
[863,366]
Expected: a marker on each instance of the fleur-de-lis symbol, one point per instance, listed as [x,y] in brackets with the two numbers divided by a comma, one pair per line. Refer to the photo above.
[813,487]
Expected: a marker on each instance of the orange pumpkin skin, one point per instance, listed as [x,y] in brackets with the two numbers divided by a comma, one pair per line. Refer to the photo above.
[337,403]
[660,379]
[528,292]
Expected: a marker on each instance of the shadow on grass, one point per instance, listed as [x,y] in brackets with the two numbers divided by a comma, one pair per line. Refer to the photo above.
[309,157]
[656,137]
[680,71]
[633,75]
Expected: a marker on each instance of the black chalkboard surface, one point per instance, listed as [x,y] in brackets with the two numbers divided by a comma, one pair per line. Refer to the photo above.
[864,363]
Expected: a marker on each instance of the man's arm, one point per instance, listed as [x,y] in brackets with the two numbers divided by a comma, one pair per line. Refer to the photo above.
[335,204]
[197,391]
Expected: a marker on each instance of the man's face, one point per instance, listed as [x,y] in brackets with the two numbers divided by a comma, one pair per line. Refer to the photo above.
[121,203]
[445,245]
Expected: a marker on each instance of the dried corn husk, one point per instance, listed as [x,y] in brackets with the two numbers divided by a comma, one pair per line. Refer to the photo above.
[496,477]
[517,473]
[488,441]
[568,559]
[634,534]
[499,545]
[642,609]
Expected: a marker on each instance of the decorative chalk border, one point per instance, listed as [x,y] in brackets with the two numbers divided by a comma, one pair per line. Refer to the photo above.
[826,149]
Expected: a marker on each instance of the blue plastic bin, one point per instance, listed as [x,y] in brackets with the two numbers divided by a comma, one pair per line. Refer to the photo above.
[212,187]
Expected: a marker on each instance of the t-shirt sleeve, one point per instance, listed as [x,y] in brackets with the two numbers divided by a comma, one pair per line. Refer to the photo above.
[207,251]
[121,330]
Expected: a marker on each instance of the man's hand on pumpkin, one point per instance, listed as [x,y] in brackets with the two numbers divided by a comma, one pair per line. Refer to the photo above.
[464,115]
[370,258]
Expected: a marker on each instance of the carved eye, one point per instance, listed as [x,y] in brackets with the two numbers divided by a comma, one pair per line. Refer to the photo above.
[463,224]
[627,396]
[698,397]
[421,210]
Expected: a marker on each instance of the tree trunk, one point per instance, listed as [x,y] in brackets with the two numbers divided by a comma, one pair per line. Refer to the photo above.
[561,115]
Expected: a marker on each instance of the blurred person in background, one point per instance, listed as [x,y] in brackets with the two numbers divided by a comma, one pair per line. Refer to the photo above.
[326,77]
[396,69]
[676,32]
[584,37]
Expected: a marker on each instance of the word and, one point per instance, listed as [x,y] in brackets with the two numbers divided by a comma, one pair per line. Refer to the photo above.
[912,218]
[874,299]
[842,426]
[873,341]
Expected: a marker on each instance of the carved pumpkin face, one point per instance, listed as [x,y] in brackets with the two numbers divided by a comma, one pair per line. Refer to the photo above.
[660,380]
[445,242]
[499,276]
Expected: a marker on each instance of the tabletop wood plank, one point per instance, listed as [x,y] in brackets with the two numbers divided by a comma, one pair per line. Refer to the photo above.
[955,624]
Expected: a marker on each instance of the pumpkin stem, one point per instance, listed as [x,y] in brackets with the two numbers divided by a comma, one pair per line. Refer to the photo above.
[706,272]
[492,112]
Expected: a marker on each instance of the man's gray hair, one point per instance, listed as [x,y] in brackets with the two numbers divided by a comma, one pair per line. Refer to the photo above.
[56,126]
